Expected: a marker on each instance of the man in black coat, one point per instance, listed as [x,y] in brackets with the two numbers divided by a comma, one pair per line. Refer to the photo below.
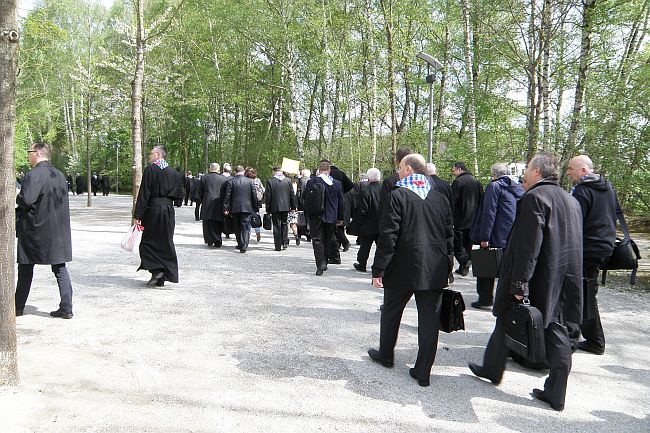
[195,197]
[322,225]
[154,211]
[442,185]
[210,188]
[600,209]
[43,229]
[280,199]
[240,200]
[414,256]
[467,196]
[94,183]
[187,183]
[542,261]
[366,217]
[79,183]
[106,185]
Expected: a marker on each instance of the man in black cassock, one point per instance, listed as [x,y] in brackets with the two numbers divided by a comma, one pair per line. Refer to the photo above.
[94,183]
[154,210]
[212,205]
[43,229]
[106,185]
[79,183]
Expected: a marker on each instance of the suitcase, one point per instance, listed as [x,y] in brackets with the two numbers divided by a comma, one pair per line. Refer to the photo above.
[268,224]
[525,331]
[485,262]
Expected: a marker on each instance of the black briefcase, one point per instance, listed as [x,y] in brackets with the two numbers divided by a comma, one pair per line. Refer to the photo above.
[256,221]
[485,262]
[268,224]
[451,311]
[525,331]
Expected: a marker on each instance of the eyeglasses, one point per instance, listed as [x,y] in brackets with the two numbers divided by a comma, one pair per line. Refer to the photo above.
[30,151]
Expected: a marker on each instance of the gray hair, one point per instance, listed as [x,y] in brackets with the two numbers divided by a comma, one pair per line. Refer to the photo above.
[499,169]
[226,167]
[214,167]
[239,169]
[306,173]
[162,149]
[548,165]
[431,169]
[374,175]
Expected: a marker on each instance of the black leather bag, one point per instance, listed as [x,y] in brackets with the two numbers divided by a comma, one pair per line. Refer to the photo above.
[256,221]
[486,262]
[625,255]
[525,331]
[451,311]
[302,220]
[268,224]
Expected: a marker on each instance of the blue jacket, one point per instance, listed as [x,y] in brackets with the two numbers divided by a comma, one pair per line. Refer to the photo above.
[334,206]
[497,212]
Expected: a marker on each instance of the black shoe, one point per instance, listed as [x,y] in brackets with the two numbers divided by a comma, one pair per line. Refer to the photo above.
[376,356]
[585,346]
[479,306]
[285,246]
[243,250]
[319,272]
[297,241]
[462,271]
[61,314]
[278,249]
[478,371]
[19,312]
[346,247]
[334,262]
[154,278]
[359,268]
[210,244]
[421,382]
[539,395]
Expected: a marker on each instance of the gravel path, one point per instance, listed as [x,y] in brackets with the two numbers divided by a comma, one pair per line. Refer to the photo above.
[257,342]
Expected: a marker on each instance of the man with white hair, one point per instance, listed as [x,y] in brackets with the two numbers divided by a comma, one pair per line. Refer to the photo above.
[442,185]
[414,257]
[600,209]
[212,205]
[366,216]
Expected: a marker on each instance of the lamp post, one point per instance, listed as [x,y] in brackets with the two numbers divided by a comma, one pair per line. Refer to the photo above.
[431,78]
[117,168]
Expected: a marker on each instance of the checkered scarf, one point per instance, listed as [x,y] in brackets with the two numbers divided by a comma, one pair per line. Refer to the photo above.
[418,183]
[161,163]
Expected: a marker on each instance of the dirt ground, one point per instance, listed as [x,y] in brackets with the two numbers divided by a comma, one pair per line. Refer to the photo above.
[257,342]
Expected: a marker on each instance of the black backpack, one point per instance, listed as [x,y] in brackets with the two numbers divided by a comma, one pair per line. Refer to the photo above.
[313,198]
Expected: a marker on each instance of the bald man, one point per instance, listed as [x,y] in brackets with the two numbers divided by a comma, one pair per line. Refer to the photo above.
[600,209]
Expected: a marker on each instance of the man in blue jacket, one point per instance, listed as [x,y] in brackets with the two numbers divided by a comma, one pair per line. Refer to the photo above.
[494,221]
[322,226]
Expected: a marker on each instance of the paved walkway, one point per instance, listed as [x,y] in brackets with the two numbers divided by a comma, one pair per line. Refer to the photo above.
[256,342]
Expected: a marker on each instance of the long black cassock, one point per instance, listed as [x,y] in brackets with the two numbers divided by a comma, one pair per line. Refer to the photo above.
[155,207]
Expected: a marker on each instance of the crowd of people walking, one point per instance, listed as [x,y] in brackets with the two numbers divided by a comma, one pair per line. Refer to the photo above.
[553,242]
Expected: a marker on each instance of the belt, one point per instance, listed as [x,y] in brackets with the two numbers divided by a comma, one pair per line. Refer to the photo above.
[160,201]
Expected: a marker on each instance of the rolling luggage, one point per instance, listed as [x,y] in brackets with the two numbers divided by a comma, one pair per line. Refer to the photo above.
[525,331]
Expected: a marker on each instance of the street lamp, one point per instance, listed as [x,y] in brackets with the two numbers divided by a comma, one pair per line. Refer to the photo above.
[431,78]
[117,168]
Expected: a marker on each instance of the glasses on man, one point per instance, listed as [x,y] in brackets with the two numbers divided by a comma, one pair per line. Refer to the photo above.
[31,151]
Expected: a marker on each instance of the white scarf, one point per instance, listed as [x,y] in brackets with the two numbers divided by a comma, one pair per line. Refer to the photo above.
[327,179]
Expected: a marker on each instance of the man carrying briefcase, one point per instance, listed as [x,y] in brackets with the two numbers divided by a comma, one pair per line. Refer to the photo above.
[543,260]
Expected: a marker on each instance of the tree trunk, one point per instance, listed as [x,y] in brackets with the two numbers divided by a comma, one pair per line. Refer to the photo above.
[585,55]
[335,110]
[136,100]
[89,175]
[372,107]
[546,65]
[8,65]
[471,107]
[310,115]
[531,72]
[387,10]
[441,101]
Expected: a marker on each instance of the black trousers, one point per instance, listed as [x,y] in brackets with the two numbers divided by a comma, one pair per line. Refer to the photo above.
[428,303]
[280,229]
[242,227]
[197,211]
[341,238]
[365,243]
[212,230]
[558,354]
[592,329]
[462,246]
[24,284]
[187,195]
[322,241]
[105,190]
[485,290]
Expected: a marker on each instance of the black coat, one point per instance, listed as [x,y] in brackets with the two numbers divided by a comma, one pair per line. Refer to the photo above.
[240,196]
[43,227]
[387,186]
[154,206]
[365,221]
[416,241]
[444,188]
[79,181]
[600,210]
[545,251]
[106,181]
[279,195]
[211,199]
[340,175]
[467,196]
